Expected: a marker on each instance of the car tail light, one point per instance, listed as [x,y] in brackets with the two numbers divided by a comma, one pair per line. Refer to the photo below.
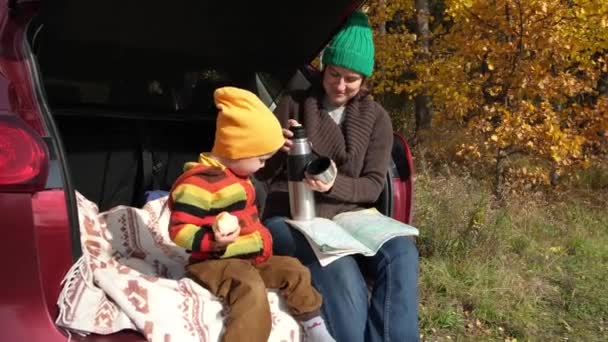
[23,156]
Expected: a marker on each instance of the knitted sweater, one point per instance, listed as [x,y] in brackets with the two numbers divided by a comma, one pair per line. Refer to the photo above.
[361,147]
[206,189]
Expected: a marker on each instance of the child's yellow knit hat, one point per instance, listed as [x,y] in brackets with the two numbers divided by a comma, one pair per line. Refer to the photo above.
[245,127]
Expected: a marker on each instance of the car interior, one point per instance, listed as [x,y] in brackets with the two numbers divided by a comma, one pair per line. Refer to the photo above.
[132,96]
[123,138]
[133,102]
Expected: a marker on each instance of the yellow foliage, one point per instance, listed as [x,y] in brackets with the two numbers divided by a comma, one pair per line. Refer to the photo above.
[522,75]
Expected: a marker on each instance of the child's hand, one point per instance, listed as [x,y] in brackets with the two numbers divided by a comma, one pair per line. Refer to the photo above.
[226,229]
[224,239]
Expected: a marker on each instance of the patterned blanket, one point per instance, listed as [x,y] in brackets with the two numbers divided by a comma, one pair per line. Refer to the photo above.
[131,277]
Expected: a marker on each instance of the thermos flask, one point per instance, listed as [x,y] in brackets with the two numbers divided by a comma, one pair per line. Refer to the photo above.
[301,197]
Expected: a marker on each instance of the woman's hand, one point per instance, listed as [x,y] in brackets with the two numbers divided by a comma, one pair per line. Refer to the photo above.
[321,186]
[288,135]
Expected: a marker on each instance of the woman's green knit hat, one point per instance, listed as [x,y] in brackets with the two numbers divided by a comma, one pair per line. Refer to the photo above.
[353,46]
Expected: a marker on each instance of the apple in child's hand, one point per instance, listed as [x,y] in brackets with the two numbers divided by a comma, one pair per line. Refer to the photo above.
[225,224]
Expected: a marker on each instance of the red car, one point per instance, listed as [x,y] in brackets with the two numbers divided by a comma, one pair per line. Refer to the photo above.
[110,98]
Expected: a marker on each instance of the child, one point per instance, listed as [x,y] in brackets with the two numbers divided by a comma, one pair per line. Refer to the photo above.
[214,216]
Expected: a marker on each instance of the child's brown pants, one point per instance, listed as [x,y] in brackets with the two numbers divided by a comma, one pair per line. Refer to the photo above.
[243,286]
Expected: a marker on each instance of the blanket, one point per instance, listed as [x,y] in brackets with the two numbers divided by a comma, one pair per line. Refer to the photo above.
[131,276]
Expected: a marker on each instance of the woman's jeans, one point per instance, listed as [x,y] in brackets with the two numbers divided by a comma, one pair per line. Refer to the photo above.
[351,315]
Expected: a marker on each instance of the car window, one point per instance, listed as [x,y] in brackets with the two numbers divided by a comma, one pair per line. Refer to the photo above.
[188,91]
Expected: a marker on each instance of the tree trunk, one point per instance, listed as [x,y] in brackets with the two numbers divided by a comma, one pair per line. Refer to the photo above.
[423,110]
[602,84]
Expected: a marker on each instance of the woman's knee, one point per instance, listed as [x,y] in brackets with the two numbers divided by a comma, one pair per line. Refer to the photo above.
[396,255]
[283,242]
[401,248]
[275,221]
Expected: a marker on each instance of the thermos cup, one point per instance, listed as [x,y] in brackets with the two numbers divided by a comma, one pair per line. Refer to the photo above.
[321,169]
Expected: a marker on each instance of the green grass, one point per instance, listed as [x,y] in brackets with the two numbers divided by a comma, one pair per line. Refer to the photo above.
[594,178]
[532,267]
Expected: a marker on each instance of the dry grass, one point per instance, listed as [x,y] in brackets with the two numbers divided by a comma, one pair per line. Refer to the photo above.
[532,267]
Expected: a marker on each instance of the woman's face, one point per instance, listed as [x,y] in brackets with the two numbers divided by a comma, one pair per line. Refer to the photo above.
[341,84]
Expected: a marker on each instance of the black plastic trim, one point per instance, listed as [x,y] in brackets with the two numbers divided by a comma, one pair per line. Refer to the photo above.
[57,146]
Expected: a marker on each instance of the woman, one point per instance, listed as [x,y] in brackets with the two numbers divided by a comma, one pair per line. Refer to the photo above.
[345,124]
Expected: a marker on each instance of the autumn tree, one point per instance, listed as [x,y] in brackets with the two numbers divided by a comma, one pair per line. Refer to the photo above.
[394,44]
[519,78]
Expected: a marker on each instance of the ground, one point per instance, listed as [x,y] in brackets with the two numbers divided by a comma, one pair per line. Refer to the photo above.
[529,267]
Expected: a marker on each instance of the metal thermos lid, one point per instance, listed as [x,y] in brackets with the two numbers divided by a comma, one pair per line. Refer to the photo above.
[299,132]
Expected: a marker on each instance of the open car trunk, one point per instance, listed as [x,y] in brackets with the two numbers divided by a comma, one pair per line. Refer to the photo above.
[130,84]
